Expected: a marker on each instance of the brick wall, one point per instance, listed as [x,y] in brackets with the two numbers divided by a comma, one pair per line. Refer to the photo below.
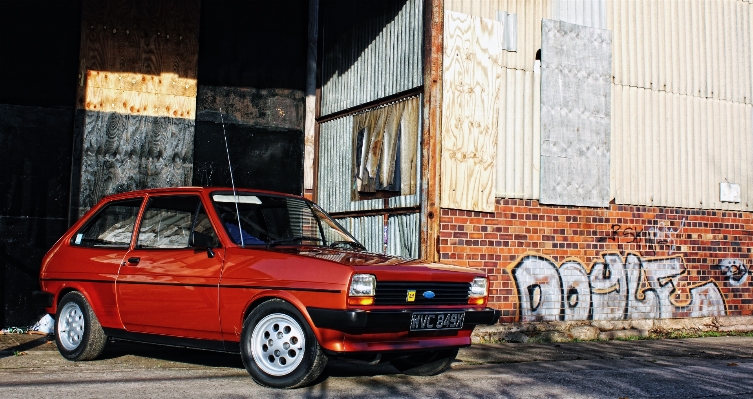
[559,263]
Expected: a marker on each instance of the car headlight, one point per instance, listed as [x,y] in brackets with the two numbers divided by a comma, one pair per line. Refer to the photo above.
[362,289]
[362,285]
[478,288]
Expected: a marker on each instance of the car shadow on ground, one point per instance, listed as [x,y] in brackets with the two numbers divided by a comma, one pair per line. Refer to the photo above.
[117,349]
[11,348]
[335,368]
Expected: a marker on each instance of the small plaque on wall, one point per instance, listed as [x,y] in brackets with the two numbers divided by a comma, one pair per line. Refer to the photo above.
[729,192]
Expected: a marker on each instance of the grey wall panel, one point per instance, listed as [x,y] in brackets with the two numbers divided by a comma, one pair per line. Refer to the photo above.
[370,51]
[576,64]
[403,235]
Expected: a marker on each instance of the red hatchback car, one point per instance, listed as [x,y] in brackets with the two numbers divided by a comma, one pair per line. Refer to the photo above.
[267,275]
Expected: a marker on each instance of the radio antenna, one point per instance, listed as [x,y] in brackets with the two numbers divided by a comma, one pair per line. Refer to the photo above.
[232,181]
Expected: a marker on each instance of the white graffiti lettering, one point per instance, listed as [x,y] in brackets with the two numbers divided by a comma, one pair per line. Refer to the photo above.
[618,288]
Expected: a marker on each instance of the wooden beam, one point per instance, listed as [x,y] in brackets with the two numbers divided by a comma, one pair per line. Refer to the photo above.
[432,127]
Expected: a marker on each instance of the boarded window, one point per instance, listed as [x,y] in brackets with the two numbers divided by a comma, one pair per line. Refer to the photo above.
[385,151]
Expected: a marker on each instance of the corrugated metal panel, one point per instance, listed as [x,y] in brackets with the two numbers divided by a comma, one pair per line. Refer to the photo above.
[335,170]
[368,230]
[519,141]
[529,15]
[376,59]
[699,48]
[674,150]
[403,235]
[575,114]
[592,13]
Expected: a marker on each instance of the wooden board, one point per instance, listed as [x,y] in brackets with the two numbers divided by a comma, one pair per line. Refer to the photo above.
[470,111]
[140,46]
[137,94]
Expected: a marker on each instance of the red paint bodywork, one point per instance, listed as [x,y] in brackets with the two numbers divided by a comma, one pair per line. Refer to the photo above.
[183,293]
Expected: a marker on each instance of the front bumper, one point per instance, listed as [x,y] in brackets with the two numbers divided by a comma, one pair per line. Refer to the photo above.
[384,321]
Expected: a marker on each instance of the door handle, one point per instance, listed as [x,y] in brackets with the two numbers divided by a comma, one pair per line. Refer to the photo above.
[134,260]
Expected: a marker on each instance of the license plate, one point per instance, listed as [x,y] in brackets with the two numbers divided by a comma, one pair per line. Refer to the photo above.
[436,321]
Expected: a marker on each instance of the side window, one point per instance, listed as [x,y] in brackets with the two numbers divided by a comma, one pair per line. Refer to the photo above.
[110,227]
[169,220]
[203,226]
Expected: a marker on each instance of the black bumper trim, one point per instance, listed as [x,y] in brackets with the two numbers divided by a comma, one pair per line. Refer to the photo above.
[377,321]
[42,298]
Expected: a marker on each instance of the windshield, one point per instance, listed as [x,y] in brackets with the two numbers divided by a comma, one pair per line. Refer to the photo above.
[275,220]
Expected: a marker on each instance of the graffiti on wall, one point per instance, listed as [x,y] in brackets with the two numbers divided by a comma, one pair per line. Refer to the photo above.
[617,288]
[650,237]
[734,271]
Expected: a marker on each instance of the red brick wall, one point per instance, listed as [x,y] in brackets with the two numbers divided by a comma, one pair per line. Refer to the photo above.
[711,248]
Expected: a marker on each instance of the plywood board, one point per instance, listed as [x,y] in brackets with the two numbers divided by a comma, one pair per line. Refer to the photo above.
[470,111]
[576,65]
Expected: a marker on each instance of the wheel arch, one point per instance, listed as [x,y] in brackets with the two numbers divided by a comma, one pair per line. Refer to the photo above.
[286,297]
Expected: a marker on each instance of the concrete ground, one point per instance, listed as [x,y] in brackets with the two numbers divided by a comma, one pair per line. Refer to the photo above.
[719,367]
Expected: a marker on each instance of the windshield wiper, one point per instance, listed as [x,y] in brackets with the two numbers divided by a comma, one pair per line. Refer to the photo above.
[352,244]
[291,239]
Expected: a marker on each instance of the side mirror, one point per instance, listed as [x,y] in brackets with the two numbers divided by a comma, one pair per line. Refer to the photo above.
[201,240]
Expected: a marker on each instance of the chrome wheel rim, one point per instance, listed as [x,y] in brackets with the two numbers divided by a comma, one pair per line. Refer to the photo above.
[277,344]
[71,326]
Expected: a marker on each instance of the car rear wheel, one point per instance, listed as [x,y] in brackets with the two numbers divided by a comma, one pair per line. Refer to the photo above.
[279,348]
[426,363]
[78,334]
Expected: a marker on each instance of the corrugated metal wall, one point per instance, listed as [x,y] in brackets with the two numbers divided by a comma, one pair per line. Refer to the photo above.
[366,62]
[701,49]
[368,230]
[376,59]
[697,48]
[591,13]
[673,150]
[681,98]
[335,171]
[402,233]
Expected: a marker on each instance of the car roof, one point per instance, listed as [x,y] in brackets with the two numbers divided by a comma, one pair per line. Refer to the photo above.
[192,189]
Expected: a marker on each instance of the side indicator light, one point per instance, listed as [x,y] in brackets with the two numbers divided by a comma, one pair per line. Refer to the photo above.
[361,300]
[477,301]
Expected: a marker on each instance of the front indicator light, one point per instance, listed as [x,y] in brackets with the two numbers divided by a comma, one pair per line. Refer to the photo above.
[361,301]
[477,301]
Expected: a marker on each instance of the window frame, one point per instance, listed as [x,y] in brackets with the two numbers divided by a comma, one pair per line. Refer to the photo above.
[194,214]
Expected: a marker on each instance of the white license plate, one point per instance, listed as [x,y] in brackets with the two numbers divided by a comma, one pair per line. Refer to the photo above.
[436,321]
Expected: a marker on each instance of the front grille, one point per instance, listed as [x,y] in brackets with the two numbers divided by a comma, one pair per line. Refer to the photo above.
[396,293]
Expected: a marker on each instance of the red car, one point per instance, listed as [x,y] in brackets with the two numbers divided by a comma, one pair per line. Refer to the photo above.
[267,275]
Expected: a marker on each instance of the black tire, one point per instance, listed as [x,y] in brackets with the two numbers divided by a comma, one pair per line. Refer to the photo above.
[273,352]
[426,363]
[78,334]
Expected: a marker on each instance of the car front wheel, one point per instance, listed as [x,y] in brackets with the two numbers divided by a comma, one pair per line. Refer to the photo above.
[78,334]
[278,348]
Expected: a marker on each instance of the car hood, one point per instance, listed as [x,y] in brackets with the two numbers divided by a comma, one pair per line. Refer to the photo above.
[390,267]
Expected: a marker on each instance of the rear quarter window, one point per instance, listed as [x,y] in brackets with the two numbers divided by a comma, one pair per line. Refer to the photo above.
[111,227]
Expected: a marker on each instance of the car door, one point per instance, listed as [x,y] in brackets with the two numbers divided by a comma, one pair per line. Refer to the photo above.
[166,285]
